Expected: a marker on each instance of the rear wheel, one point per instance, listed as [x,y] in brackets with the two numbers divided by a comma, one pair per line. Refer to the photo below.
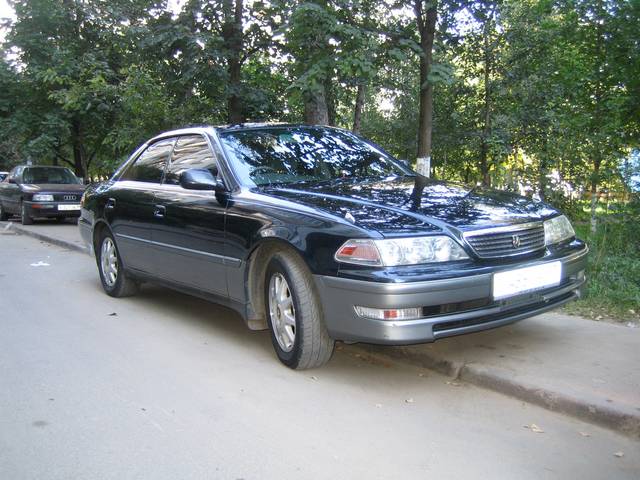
[3,213]
[25,219]
[115,281]
[298,333]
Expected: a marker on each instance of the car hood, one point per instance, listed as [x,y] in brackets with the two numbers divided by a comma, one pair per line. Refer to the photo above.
[414,204]
[52,188]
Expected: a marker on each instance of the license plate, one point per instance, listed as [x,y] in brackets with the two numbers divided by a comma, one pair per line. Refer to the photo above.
[74,206]
[523,280]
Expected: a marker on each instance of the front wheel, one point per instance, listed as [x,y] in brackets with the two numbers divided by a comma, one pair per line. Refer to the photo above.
[25,219]
[298,333]
[114,280]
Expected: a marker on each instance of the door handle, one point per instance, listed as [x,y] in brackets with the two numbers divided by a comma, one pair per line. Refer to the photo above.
[159,211]
[111,204]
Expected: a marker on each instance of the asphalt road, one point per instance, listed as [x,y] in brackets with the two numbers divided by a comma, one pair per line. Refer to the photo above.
[163,385]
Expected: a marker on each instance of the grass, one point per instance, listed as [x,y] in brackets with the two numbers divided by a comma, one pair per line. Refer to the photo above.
[613,271]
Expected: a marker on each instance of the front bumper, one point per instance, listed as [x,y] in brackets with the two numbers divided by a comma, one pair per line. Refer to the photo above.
[51,209]
[451,306]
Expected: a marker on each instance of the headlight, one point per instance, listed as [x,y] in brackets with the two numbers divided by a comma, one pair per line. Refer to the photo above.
[42,197]
[400,251]
[557,229]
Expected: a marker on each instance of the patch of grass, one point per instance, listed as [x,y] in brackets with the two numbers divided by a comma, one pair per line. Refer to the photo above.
[613,271]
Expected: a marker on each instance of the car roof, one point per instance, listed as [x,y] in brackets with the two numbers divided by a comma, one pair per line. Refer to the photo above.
[199,129]
[42,166]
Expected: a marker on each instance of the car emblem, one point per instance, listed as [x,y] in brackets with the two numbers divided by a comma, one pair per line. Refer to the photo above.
[515,241]
[69,198]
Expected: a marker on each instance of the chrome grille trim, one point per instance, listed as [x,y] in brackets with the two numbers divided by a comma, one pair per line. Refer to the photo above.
[498,242]
[66,197]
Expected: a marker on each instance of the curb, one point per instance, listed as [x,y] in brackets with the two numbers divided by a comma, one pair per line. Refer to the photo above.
[45,238]
[592,410]
[589,409]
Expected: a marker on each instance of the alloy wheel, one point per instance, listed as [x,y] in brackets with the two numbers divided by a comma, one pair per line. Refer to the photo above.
[109,262]
[282,312]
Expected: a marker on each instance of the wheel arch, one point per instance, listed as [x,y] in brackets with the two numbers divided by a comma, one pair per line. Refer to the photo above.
[99,227]
[257,262]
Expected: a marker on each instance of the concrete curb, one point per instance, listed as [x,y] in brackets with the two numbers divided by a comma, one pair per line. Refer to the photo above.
[591,409]
[45,238]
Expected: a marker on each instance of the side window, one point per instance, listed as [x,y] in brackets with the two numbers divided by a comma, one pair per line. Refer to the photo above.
[190,152]
[149,166]
[15,174]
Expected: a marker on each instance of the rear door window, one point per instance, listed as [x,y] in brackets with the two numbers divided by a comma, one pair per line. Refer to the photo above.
[190,152]
[149,166]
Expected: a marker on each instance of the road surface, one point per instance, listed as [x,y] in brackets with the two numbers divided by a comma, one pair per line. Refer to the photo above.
[166,386]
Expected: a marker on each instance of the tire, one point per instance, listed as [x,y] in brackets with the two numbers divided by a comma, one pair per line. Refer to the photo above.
[25,219]
[115,281]
[296,323]
[3,214]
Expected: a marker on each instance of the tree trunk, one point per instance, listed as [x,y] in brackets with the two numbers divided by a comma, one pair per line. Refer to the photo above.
[595,180]
[315,108]
[232,34]
[542,177]
[78,151]
[330,98]
[486,130]
[426,27]
[357,111]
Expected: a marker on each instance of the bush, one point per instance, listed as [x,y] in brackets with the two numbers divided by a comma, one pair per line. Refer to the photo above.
[613,271]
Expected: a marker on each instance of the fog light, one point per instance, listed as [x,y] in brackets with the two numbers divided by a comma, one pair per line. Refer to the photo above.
[390,313]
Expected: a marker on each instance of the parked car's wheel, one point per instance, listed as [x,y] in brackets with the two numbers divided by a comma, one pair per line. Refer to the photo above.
[298,333]
[112,275]
[3,213]
[25,219]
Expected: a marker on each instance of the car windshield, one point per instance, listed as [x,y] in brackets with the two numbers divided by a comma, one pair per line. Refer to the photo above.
[285,155]
[48,175]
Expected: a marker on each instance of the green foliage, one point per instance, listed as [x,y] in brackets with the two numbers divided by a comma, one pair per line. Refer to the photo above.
[613,272]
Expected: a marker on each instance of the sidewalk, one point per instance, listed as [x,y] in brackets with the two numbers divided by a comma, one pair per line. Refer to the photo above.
[65,235]
[571,365]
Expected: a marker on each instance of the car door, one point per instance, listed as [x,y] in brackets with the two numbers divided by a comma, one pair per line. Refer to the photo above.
[11,193]
[189,228]
[129,206]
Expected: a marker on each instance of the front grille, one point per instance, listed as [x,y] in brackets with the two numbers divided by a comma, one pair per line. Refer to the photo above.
[66,197]
[507,241]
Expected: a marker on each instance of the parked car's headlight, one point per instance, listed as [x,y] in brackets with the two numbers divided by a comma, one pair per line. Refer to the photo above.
[392,252]
[42,197]
[557,229]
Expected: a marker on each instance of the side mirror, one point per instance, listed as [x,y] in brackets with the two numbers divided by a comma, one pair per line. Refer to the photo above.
[200,179]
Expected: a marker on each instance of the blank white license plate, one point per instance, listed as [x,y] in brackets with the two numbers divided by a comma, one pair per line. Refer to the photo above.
[522,280]
[75,206]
